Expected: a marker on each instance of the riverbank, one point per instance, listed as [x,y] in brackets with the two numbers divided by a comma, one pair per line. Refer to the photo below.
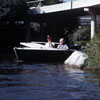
[93,52]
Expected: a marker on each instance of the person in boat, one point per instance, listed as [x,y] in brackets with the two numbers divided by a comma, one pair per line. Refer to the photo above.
[62,45]
[50,43]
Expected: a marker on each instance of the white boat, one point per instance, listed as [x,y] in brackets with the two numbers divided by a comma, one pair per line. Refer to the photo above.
[37,52]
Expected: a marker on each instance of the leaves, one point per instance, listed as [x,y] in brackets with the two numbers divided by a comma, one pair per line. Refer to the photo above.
[4,8]
[93,51]
[12,9]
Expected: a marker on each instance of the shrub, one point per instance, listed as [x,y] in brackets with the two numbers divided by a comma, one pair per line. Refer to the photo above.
[93,51]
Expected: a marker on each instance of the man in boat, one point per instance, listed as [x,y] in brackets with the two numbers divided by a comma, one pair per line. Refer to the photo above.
[50,43]
[62,45]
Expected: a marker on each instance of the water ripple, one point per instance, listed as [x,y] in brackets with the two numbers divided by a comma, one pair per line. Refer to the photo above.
[28,81]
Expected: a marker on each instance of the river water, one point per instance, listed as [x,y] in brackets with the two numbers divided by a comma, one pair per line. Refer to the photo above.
[33,81]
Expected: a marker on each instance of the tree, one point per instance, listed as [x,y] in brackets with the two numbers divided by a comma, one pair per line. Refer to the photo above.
[12,11]
[17,10]
[98,24]
[4,8]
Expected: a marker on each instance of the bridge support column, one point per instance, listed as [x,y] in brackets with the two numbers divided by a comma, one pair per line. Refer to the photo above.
[93,26]
[27,22]
[42,35]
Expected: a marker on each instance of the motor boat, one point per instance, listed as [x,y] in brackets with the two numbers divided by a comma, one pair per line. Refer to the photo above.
[38,52]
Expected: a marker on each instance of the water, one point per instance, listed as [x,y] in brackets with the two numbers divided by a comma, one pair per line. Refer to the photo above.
[29,81]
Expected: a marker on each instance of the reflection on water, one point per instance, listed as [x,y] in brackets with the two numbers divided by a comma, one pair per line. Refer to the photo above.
[93,77]
[27,81]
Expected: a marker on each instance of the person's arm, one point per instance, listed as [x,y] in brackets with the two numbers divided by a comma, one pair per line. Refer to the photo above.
[52,45]
[58,47]
[66,47]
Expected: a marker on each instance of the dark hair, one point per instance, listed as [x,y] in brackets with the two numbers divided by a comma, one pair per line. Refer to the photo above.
[48,37]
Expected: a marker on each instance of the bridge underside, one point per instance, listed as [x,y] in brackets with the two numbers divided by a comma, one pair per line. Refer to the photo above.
[57,16]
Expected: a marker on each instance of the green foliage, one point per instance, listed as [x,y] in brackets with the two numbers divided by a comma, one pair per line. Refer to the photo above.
[82,33]
[93,51]
[98,24]
[4,7]
[18,9]
[81,43]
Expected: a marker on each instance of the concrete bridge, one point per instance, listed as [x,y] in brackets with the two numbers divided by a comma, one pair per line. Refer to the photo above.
[70,8]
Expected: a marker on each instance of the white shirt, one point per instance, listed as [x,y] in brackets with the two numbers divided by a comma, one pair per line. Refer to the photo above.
[62,47]
[49,44]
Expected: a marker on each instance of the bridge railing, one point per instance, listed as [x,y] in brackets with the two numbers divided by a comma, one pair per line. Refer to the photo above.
[71,0]
[34,3]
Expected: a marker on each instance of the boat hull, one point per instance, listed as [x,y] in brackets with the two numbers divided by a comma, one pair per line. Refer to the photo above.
[36,55]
